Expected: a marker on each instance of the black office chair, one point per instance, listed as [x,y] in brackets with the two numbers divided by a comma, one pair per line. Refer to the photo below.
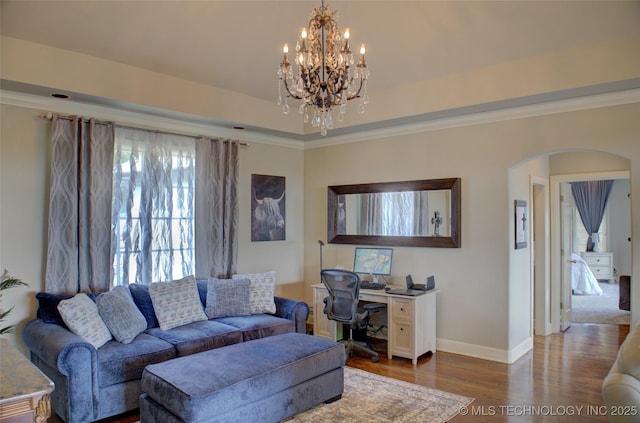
[342,306]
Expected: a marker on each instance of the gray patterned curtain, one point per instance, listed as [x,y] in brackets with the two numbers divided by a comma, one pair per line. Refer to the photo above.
[216,216]
[79,230]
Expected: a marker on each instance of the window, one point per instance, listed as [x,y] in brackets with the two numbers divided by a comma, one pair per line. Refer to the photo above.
[153,207]
[581,236]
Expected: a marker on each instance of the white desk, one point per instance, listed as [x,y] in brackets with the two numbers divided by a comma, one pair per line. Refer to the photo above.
[412,320]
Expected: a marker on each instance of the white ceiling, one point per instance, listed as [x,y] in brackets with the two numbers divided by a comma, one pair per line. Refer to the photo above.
[236,45]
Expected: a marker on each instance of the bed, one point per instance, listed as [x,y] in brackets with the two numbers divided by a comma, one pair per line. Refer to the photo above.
[582,280]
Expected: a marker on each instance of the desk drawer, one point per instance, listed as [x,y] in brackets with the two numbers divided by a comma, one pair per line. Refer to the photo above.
[402,341]
[402,309]
[374,298]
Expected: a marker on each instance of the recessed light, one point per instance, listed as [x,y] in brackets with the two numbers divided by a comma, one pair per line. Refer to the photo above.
[59,95]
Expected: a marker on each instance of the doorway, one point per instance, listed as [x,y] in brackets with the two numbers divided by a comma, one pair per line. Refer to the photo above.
[569,254]
[602,303]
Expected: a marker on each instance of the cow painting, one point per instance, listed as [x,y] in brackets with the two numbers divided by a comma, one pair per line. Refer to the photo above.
[268,208]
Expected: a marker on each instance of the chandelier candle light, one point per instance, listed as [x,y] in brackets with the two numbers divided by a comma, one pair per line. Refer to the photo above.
[324,75]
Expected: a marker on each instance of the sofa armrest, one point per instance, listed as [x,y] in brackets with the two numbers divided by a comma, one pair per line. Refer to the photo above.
[62,355]
[297,311]
[621,394]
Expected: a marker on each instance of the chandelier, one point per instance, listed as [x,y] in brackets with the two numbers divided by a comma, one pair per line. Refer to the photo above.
[324,76]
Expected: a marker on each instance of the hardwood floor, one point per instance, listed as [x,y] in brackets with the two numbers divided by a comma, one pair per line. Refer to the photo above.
[562,373]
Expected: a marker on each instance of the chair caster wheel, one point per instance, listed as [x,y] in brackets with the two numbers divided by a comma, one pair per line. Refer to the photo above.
[374,359]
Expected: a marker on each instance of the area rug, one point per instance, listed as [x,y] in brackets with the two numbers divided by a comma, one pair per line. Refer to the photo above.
[599,308]
[372,398]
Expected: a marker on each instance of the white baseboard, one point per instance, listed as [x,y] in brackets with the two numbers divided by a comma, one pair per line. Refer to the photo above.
[483,352]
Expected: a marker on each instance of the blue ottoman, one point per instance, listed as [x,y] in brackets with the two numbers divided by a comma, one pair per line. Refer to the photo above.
[264,380]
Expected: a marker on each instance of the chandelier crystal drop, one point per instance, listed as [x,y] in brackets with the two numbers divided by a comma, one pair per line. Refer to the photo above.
[324,74]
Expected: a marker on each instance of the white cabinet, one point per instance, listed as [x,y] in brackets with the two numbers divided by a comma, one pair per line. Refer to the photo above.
[601,264]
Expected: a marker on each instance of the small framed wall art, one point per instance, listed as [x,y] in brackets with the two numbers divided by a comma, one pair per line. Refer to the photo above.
[520,221]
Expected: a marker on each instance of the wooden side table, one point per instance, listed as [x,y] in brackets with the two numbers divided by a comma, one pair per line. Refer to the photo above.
[24,389]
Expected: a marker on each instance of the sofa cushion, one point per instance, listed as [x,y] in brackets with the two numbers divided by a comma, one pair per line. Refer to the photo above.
[81,315]
[48,306]
[202,290]
[121,315]
[227,297]
[118,362]
[198,336]
[176,303]
[259,326]
[142,299]
[261,291]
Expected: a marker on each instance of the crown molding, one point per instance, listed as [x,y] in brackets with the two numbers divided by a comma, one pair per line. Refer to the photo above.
[180,124]
[194,125]
[478,118]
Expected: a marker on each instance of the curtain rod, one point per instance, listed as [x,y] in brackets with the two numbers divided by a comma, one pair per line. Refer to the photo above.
[49,116]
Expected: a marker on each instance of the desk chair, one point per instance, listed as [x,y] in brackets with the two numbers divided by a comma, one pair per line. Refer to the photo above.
[342,306]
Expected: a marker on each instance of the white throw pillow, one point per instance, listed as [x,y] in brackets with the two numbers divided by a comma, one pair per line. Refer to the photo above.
[261,291]
[176,303]
[81,316]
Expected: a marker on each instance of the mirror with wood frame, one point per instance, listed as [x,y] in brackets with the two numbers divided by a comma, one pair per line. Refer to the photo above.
[422,213]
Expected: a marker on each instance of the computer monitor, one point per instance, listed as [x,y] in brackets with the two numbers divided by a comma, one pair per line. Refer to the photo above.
[373,261]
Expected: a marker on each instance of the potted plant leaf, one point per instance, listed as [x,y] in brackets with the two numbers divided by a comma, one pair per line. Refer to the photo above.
[7,282]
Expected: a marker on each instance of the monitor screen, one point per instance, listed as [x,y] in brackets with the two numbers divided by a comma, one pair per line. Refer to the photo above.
[374,261]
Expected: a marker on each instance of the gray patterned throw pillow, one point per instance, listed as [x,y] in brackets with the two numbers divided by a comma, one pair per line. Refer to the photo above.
[176,303]
[227,298]
[121,315]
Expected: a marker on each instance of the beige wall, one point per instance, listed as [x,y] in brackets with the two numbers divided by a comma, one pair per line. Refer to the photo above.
[520,285]
[286,257]
[23,205]
[481,307]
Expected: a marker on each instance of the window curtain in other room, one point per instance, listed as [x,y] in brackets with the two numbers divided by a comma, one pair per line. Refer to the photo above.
[79,227]
[153,206]
[591,201]
[394,213]
[216,208]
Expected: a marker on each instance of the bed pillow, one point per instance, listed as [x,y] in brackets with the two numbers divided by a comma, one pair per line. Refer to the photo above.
[261,291]
[227,298]
[120,314]
[81,315]
[176,303]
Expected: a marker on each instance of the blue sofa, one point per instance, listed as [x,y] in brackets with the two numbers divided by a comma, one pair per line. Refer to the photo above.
[92,384]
